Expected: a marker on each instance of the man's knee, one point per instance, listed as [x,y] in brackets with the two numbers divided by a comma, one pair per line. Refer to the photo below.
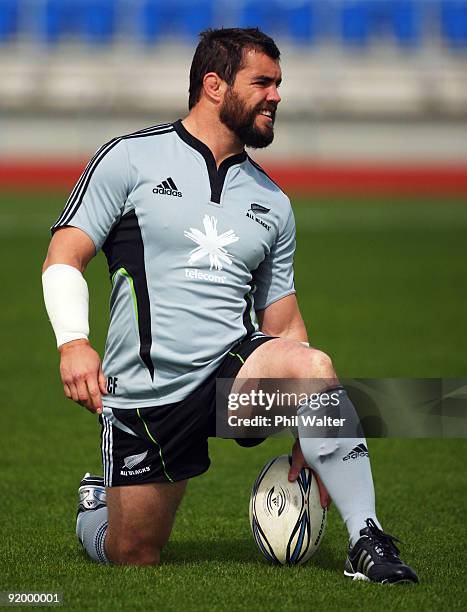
[312,363]
[135,551]
[140,520]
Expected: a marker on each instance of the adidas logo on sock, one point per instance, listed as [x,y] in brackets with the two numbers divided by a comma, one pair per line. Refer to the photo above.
[359,451]
[168,187]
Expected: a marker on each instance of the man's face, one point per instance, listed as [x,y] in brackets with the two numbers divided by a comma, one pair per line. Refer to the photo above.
[249,105]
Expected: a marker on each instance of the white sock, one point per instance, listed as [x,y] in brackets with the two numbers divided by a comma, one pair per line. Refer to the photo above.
[344,467]
[91,529]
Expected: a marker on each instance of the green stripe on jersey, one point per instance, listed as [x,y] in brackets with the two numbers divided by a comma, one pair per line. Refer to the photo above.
[128,276]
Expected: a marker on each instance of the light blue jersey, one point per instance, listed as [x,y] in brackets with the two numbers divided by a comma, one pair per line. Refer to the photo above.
[192,250]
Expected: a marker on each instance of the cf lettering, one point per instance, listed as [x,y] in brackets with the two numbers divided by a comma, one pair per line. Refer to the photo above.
[112,384]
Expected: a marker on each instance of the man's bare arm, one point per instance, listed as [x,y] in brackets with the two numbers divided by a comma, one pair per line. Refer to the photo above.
[80,365]
[283,319]
[71,246]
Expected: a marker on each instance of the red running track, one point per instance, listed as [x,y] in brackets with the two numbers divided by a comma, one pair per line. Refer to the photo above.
[302,177]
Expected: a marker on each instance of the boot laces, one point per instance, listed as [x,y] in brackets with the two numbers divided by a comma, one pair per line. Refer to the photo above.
[384,542]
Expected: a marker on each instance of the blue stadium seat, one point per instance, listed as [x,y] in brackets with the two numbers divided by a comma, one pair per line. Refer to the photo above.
[406,22]
[149,21]
[349,22]
[281,17]
[8,19]
[153,19]
[399,20]
[197,16]
[355,23]
[55,19]
[301,21]
[98,21]
[257,13]
[92,20]
[454,23]
[182,18]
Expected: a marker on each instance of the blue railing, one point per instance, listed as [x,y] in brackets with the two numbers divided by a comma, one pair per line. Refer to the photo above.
[352,23]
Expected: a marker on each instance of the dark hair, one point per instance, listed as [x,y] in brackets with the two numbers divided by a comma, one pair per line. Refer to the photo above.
[222,51]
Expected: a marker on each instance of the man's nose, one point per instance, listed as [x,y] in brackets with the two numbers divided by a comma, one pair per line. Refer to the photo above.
[273,95]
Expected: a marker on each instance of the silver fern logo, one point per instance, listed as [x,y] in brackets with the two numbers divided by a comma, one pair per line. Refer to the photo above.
[132,460]
[211,244]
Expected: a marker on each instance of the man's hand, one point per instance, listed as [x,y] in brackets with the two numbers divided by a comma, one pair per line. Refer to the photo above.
[82,376]
[298,462]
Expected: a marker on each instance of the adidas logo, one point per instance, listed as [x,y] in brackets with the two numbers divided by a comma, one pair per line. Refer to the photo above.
[359,451]
[168,187]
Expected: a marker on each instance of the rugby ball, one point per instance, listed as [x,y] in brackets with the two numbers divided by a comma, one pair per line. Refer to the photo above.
[286,518]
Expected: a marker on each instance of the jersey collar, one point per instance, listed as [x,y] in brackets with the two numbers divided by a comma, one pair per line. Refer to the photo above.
[216,175]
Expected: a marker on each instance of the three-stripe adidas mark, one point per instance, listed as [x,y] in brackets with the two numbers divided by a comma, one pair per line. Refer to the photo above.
[364,563]
[358,451]
[168,187]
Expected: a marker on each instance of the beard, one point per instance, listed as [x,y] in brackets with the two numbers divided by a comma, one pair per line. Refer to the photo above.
[241,121]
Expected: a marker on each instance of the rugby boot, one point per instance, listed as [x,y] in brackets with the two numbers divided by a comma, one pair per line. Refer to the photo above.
[375,557]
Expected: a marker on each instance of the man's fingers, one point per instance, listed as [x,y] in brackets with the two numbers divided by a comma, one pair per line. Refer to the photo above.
[324,496]
[67,391]
[82,377]
[83,395]
[84,399]
[88,406]
[85,392]
[73,392]
[298,461]
[297,464]
[293,474]
[102,382]
[94,395]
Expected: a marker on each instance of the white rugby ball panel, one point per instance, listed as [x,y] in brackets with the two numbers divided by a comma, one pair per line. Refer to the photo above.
[286,518]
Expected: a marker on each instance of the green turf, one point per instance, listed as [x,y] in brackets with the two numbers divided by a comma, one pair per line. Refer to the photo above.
[382,286]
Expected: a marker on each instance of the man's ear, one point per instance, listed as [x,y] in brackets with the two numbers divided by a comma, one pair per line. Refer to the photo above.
[214,87]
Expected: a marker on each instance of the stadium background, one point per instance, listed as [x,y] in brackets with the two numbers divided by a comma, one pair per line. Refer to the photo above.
[371,143]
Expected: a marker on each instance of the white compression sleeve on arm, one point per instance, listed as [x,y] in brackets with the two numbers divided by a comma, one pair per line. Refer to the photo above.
[66,299]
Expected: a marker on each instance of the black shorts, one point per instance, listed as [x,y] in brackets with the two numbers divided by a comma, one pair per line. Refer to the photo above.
[167,443]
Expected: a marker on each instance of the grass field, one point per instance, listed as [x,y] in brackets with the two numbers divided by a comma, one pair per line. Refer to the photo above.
[383,289]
